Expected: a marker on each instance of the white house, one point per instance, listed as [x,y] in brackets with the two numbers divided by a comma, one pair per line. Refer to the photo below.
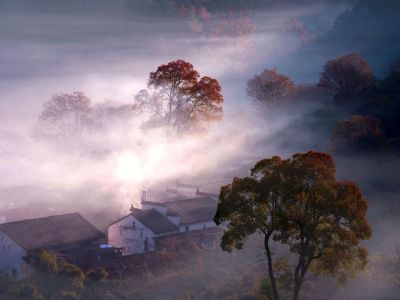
[19,239]
[139,231]
[136,232]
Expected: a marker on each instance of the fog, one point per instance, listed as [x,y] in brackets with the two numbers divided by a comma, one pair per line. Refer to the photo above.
[107,50]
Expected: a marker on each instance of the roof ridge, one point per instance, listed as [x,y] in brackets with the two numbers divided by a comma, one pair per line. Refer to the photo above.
[41,218]
[186,199]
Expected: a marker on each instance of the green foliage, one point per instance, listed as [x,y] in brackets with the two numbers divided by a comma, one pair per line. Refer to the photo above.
[284,279]
[72,273]
[299,203]
[97,274]
[45,261]
[66,295]
[25,290]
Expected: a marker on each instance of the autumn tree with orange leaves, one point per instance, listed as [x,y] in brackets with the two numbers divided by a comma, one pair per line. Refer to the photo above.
[270,87]
[179,98]
[299,203]
[357,134]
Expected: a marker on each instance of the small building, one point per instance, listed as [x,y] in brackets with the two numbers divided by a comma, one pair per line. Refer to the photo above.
[140,231]
[61,232]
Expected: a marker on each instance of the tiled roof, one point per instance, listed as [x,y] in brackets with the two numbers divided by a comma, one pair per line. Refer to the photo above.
[51,232]
[193,210]
[154,220]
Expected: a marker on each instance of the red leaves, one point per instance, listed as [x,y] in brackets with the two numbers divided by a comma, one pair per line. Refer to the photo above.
[184,100]
[178,73]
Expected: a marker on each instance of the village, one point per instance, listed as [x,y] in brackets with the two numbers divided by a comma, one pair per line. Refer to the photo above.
[184,216]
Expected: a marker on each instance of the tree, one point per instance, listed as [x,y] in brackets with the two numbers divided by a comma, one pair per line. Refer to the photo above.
[346,75]
[63,117]
[299,203]
[26,291]
[357,134]
[97,275]
[71,273]
[270,87]
[44,261]
[109,123]
[382,101]
[66,295]
[180,99]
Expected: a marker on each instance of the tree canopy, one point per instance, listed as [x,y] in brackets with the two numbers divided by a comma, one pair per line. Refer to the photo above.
[346,75]
[299,203]
[181,99]
[270,87]
[63,117]
[357,134]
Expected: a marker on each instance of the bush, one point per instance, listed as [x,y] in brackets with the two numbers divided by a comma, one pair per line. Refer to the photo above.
[97,274]
[26,291]
[66,295]
[45,261]
[72,273]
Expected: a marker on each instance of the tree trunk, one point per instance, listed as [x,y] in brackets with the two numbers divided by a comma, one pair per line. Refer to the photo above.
[296,292]
[275,294]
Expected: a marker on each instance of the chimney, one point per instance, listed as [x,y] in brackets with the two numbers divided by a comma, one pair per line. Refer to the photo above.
[144,196]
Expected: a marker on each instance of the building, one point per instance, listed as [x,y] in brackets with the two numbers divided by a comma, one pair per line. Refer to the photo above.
[142,229]
[58,233]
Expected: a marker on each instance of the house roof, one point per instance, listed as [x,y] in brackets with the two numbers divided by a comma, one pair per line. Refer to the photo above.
[51,232]
[193,210]
[153,203]
[154,220]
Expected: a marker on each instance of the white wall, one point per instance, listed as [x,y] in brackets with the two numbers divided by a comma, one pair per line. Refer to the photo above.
[132,238]
[11,258]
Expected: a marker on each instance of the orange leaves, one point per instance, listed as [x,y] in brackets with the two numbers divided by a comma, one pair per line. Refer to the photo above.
[299,203]
[357,134]
[270,87]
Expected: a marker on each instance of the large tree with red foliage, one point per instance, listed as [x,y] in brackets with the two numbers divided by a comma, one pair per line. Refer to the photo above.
[181,99]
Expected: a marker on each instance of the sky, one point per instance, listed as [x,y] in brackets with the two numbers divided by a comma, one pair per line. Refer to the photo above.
[106,49]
